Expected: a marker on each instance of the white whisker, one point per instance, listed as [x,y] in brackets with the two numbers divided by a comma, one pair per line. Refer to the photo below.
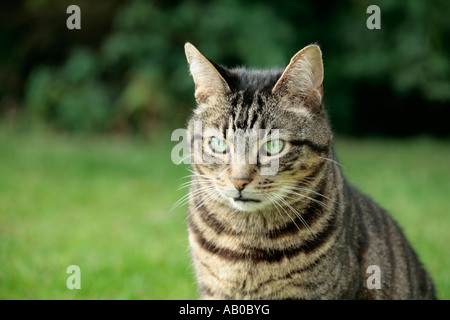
[332,160]
[310,191]
[276,205]
[211,194]
[192,183]
[297,214]
[191,195]
[312,199]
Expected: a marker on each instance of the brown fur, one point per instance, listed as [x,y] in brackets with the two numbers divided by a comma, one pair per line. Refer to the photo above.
[307,233]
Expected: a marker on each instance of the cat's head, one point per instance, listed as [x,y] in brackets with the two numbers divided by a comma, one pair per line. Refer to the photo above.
[260,135]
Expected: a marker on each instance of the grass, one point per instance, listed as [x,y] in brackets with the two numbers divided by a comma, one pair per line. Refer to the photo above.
[103,204]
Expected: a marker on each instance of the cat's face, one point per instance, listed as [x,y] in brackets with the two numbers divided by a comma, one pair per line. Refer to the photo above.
[258,142]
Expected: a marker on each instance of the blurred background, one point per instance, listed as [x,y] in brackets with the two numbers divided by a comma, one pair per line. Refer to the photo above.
[86,115]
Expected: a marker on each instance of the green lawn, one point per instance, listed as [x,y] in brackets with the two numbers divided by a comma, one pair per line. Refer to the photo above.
[103,204]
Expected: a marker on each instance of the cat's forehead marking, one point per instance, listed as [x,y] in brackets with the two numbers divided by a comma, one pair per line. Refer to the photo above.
[246,113]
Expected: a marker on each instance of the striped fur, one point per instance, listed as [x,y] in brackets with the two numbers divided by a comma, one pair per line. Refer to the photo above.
[311,235]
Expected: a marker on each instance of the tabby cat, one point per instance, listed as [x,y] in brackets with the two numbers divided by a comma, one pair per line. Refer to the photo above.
[302,232]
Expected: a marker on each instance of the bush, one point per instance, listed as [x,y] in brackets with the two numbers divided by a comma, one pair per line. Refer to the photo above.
[135,77]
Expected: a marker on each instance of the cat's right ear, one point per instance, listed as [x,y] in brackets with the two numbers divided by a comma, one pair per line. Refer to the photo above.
[302,79]
[208,81]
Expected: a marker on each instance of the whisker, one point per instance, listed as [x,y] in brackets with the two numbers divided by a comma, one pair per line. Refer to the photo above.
[201,175]
[210,196]
[192,183]
[297,214]
[332,160]
[304,181]
[276,205]
[311,191]
[188,176]
[185,199]
[203,202]
[312,199]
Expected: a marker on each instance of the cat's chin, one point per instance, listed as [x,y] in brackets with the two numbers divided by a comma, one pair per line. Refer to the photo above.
[247,205]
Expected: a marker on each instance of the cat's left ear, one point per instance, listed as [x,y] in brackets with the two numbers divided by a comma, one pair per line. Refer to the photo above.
[303,77]
[208,81]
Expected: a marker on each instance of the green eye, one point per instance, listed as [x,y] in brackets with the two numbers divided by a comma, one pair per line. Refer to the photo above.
[218,146]
[274,147]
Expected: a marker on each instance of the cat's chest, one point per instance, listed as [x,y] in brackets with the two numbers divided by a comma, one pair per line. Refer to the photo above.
[246,281]
[265,282]
[230,279]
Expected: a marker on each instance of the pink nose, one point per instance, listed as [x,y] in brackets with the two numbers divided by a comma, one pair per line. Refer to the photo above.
[240,182]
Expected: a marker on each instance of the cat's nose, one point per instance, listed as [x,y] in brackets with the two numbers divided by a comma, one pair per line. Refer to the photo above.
[240,182]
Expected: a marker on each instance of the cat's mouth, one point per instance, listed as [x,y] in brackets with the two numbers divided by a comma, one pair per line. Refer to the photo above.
[243,199]
[243,203]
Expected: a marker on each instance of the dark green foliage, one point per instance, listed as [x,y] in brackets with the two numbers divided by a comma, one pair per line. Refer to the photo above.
[125,69]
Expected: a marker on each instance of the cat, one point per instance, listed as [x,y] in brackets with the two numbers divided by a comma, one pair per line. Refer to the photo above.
[303,232]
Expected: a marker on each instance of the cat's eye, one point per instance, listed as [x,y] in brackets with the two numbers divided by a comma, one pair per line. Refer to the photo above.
[218,145]
[273,147]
